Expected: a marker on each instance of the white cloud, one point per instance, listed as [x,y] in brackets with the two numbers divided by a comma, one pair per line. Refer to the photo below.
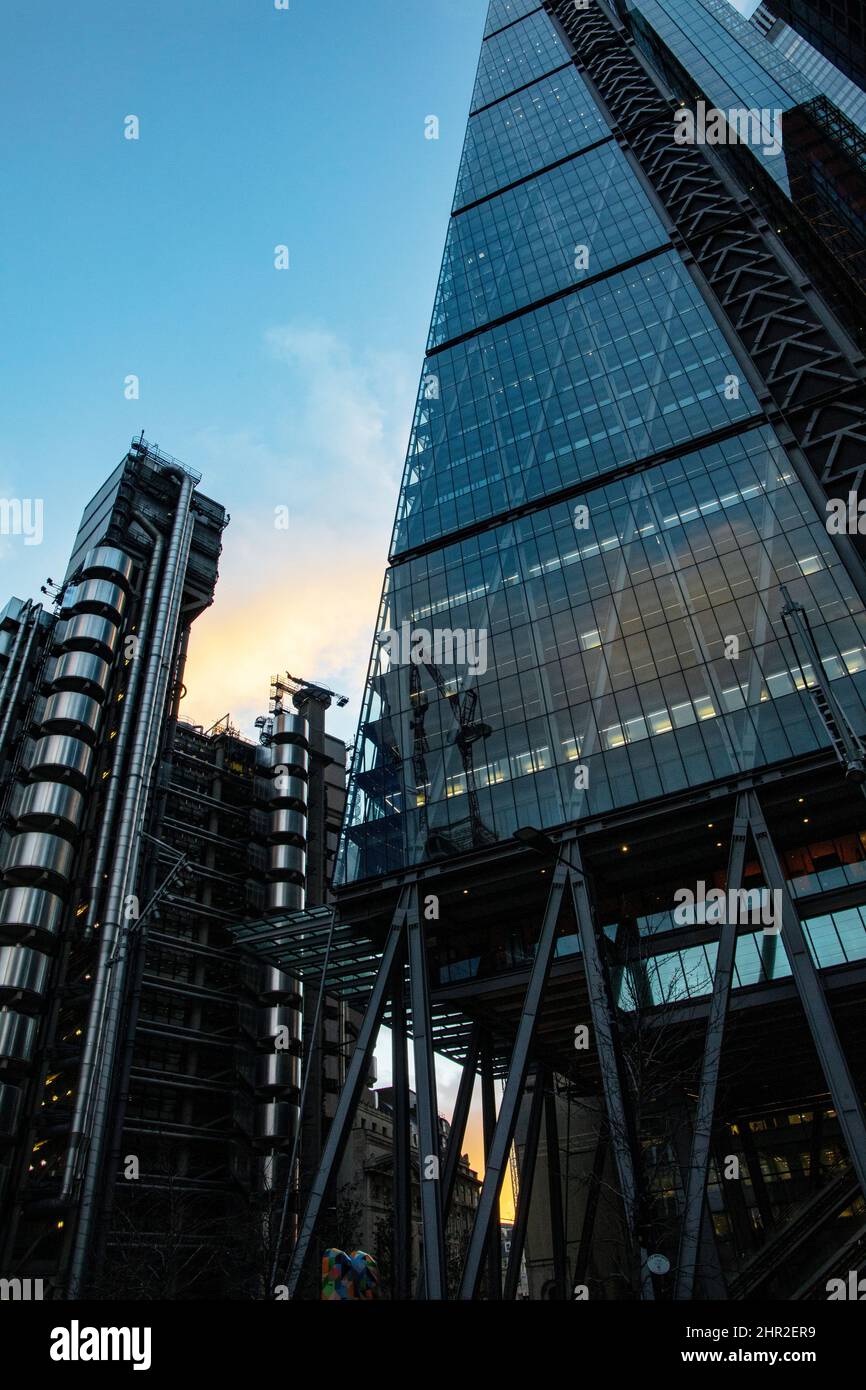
[304,598]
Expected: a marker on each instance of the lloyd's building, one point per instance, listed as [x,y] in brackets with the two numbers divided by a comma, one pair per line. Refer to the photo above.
[605,843]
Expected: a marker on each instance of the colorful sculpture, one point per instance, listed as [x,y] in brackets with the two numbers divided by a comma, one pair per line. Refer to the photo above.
[354,1276]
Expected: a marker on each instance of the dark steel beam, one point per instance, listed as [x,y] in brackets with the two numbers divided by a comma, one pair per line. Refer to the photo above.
[341,1124]
[524,1193]
[488,1115]
[590,1211]
[828,1046]
[402,1191]
[458,1121]
[429,1156]
[708,1279]
[696,1182]
[606,1040]
[503,1138]
[554,1189]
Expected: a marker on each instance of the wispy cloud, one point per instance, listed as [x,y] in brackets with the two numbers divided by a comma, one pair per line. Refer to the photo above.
[304,597]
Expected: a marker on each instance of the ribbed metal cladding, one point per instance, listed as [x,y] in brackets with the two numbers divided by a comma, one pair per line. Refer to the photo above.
[51,806]
[107,562]
[275,985]
[289,862]
[83,672]
[17,1036]
[67,712]
[24,972]
[279,1019]
[100,596]
[30,915]
[275,1122]
[280,1027]
[87,632]
[275,1072]
[288,826]
[60,759]
[34,856]
[287,836]
[40,854]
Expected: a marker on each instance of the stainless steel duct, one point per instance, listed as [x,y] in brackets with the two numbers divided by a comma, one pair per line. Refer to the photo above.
[36,857]
[30,914]
[48,812]
[128,718]
[50,806]
[17,1036]
[105,597]
[23,972]
[82,671]
[89,1121]
[60,759]
[87,632]
[68,712]
[280,1022]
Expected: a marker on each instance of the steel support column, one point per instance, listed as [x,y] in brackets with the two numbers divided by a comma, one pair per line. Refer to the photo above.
[488,1115]
[527,1176]
[402,1192]
[458,1121]
[696,1184]
[358,1068]
[554,1190]
[607,1043]
[831,1055]
[581,1264]
[494,1172]
[429,1156]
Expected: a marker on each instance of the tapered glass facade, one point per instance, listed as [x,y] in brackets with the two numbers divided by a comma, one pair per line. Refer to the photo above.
[596,512]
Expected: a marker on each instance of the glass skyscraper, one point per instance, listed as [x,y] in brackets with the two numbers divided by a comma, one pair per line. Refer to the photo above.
[618,631]
[593,482]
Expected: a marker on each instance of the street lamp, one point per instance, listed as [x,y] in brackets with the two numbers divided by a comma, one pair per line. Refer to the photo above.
[536,840]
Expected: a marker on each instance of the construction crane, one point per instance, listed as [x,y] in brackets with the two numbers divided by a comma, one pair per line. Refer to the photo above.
[469,731]
[296,685]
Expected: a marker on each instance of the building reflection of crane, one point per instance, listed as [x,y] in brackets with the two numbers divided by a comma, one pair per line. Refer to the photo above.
[470,832]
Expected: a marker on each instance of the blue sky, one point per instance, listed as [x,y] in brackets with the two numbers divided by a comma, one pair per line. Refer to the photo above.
[154,257]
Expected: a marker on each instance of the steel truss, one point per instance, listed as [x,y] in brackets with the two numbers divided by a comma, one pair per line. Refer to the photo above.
[813,376]
[529,1082]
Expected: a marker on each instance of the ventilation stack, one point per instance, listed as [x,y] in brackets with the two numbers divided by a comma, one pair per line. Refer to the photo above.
[280,997]
[48,810]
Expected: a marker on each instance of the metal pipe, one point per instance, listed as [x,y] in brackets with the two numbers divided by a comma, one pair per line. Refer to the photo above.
[125,876]
[126,723]
[401,1274]
[338,1134]
[93,1078]
[524,1194]
[699,1159]
[497,1157]
[97,1006]
[493,1256]
[429,1156]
